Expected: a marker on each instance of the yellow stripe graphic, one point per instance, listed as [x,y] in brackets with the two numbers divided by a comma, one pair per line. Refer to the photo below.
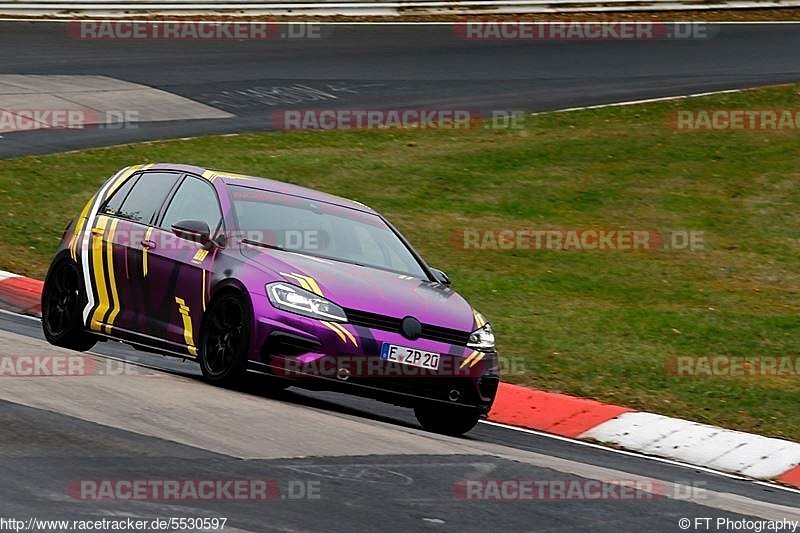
[99,276]
[200,256]
[144,251]
[123,177]
[472,356]
[310,284]
[211,175]
[313,284]
[120,180]
[479,320]
[73,245]
[79,227]
[307,282]
[299,279]
[204,290]
[303,283]
[335,330]
[112,277]
[344,330]
[188,336]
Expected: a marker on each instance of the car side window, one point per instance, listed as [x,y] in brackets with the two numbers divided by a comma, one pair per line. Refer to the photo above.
[194,200]
[114,204]
[146,196]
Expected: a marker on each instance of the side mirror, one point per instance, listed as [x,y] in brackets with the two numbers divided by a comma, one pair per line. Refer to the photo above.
[192,230]
[440,277]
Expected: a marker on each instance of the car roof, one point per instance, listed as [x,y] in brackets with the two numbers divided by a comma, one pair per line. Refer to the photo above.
[264,184]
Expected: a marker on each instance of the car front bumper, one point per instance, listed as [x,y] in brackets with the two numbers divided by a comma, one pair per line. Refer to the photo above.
[346,357]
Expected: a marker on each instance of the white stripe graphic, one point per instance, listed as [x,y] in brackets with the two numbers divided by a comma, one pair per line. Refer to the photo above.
[87,235]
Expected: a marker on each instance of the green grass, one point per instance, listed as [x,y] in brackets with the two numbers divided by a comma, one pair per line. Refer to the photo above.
[596,324]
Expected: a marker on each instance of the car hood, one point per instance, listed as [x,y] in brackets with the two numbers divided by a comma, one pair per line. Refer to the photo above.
[369,289]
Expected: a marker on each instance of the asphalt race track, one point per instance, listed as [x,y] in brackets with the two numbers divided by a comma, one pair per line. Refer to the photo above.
[358,67]
[368,462]
[372,466]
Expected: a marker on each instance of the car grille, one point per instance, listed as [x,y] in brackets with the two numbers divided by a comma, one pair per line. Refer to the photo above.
[387,323]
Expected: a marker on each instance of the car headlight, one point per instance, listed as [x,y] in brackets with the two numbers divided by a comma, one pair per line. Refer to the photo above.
[482,339]
[296,300]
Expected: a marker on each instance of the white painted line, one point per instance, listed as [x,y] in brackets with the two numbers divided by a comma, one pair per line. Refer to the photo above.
[18,315]
[652,100]
[7,275]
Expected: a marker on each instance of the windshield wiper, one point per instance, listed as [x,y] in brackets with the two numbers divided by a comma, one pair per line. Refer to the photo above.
[264,245]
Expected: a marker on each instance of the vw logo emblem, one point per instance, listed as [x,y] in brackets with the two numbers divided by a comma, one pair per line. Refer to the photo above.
[412,329]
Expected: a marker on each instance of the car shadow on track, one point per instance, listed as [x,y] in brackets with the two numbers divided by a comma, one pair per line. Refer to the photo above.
[260,385]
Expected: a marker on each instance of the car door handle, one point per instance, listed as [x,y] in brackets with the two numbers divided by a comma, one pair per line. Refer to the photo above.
[148,244]
[98,231]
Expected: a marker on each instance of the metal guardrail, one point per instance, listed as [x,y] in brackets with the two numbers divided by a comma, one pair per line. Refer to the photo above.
[113,8]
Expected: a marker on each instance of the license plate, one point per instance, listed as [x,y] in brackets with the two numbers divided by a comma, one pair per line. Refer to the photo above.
[410,356]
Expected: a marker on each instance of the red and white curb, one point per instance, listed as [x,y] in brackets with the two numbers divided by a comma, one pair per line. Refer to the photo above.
[701,444]
[712,447]
[20,294]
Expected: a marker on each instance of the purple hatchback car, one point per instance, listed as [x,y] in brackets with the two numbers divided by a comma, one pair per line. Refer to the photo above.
[244,273]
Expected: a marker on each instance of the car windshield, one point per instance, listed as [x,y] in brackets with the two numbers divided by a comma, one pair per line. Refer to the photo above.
[320,229]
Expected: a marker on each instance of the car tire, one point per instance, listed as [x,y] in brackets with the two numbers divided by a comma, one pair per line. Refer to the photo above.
[63,297]
[447,420]
[225,340]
